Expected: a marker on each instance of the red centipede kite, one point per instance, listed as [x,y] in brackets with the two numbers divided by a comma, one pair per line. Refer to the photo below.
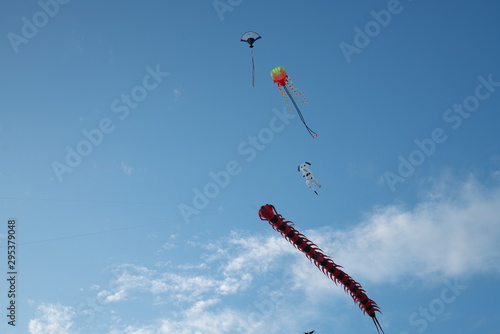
[323,262]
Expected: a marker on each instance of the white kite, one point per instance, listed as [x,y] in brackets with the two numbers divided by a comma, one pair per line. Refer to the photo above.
[310,179]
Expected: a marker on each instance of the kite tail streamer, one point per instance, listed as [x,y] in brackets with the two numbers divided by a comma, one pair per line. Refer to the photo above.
[311,132]
[253,73]
[322,261]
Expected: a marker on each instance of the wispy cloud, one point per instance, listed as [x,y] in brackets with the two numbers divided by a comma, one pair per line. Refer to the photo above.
[132,279]
[194,321]
[453,232]
[119,295]
[53,318]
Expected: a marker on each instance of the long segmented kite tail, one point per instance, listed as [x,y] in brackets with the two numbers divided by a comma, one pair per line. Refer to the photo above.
[322,261]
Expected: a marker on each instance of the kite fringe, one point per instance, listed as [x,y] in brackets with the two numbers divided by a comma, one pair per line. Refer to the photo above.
[285,99]
[296,91]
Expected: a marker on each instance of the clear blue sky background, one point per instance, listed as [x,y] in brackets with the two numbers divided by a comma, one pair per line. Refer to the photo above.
[120,241]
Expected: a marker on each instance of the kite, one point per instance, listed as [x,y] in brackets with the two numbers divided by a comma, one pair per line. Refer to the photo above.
[310,179]
[250,37]
[323,262]
[284,82]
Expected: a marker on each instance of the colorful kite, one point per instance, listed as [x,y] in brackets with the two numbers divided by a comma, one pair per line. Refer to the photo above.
[323,262]
[250,37]
[284,82]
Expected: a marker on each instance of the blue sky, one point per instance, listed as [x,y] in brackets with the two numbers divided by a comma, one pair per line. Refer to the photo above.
[135,155]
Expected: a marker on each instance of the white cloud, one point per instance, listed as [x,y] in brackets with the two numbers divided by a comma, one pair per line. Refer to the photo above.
[247,257]
[231,285]
[447,235]
[53,319]
[453,232]
[118,296]
[196,321]
[184,288]
[202,305]
[135,330]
